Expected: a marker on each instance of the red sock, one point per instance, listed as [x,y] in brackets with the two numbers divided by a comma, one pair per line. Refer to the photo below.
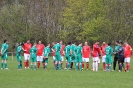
[87,65]
[82,65]
[128,66]
[25,64]
[38,64]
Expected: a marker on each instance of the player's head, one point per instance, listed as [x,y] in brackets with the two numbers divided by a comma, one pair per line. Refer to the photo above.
[28,41]
[39,42]
[17,44]
[109,44]
[69,43]
[73,42]
[97,42]
[5,41]
[61,42]
[86,43]
[80,43]
[104,43]
[52,43]
[34,44]
[117,42]
[48,44]
[120,43]
[125,43]
[22,44]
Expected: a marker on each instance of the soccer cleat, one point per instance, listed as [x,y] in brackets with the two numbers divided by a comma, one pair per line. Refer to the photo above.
[6,69]
[127,71]
[25,67]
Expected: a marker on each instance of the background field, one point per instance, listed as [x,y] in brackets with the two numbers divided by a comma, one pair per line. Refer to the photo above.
[51,78]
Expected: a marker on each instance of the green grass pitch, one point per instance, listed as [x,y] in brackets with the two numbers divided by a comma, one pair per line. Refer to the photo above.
[51,78]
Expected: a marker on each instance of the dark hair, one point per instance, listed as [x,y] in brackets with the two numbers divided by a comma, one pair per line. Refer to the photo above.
[117,41]
[22,44]
[69,43]
[109,44]
[5,40]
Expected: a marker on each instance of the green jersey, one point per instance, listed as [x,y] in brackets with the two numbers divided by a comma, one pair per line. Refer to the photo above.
[18,51]
[78,50]
[67,50]
[4,48]
[33,52]
[73,47]
[46,51]
[108,51]
[57,48]
[116,50]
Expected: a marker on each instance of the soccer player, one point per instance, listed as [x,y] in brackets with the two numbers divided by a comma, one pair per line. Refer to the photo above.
[127,55]
[68,56]
[78,59]
[4,54]
[19,56]
[33,52]
[45,55]
[95,55]
[109,52]
[72,52]
[62,52]
[26,48]
[86,55]
[115,54]
[40,47]
[53,53]
[103,55]
[56,48]
[120,57]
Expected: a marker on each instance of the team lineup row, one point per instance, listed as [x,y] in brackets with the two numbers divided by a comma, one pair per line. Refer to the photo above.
[74,54]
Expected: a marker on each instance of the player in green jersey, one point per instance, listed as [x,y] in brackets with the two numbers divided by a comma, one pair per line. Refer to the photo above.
[78,55]
[4,55]
[56,48]
[45,55]
[109,52]
[33,52]
[67,54]
[19,56]
[72,52]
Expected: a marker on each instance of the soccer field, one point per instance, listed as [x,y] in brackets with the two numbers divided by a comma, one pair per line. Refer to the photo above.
[51,78]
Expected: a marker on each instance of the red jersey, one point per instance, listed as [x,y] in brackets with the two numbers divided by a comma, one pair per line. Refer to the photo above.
[27,47]
[96,50]
[127,51]
[62,50]
[103,49]
[40,48]
[86,51]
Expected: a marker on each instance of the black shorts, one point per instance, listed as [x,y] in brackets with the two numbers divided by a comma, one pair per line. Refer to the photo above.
[121,59]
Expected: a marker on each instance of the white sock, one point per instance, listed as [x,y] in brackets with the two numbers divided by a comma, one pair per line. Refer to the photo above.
[96,66]
[93,66]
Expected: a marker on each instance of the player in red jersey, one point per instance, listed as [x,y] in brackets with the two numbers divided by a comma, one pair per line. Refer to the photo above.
[53,53]
[103,55]
[86,55]
[62,52]
[127,55]
[40,47]
[26,48]
[95,55]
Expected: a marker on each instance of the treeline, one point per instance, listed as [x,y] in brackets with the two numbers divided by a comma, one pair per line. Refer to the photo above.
[67,20]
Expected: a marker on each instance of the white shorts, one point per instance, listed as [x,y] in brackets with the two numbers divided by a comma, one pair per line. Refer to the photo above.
[98,60]
[95,59]
[62,58]
[26,56]
[85,59]
[127,59]
[39,58]
[53,58]
[103,58]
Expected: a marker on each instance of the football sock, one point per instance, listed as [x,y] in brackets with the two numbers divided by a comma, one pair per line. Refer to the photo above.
[83,65]
[80,67]
[25,64]
[93,66]
[34,66]
[96,66]
[2,64]
[107,67]
[31,66]
[87,65]
[76,66]
[5,64]
[68,65]
[38,64]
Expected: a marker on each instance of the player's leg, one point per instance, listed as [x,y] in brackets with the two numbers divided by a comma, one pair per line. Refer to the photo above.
[114,63]
[59,61]
[54,61]
[87,63]
[103,61]
[25,60]
[46,63]
[107,62]
[83,59]
[28,58]
[38,61]
[127,60]
[62,59]
[80,62]
[94,64]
